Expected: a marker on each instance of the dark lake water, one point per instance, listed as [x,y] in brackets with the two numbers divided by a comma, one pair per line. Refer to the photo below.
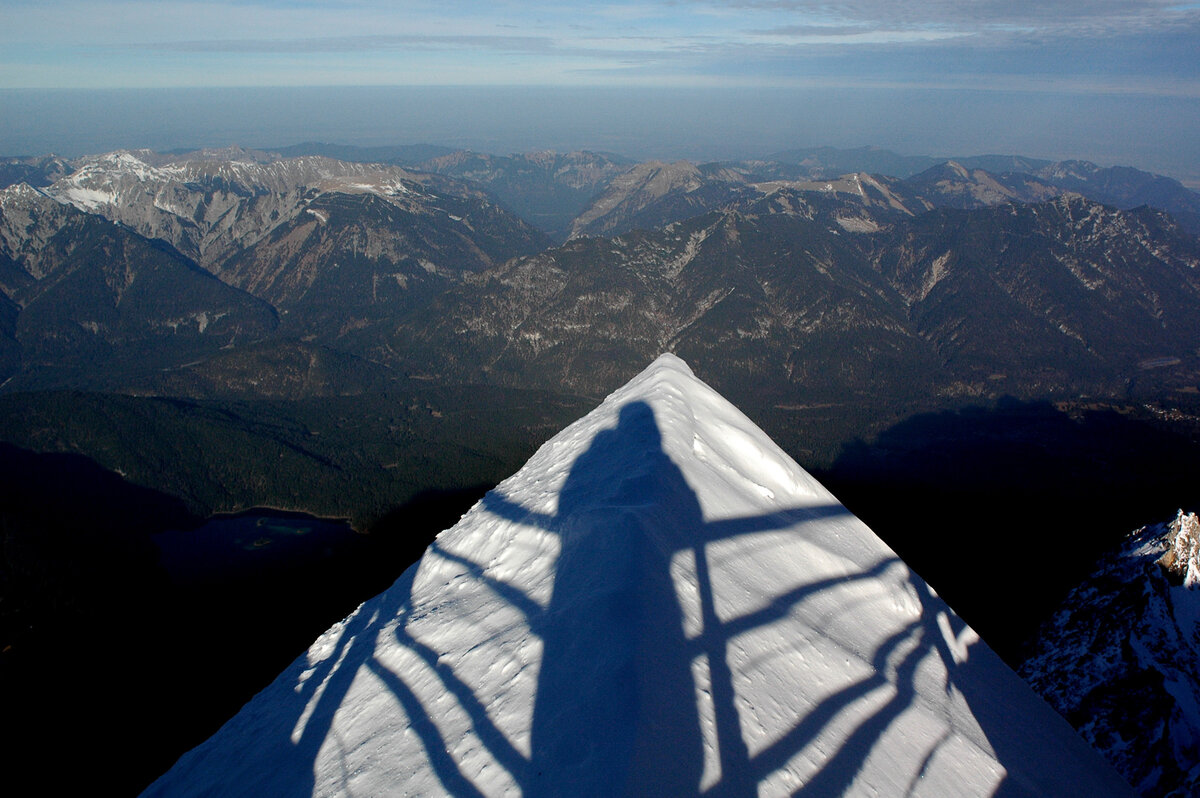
[255,542]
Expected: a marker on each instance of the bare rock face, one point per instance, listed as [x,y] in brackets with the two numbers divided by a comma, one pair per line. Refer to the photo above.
[1182,559]
[307,234]
[846,286]
[649,193]
[954,185]
[29,218]
[206,208]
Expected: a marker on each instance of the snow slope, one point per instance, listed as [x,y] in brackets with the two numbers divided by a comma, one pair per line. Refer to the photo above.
[660,602]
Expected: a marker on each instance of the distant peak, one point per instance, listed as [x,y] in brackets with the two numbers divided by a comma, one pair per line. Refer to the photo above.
[958,169]
[123,157]
[22,195]
[23,190]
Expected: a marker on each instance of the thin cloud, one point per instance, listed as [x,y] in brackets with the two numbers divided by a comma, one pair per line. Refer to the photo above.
[1069,18]
[355,44]
[811,30]
[1145,43]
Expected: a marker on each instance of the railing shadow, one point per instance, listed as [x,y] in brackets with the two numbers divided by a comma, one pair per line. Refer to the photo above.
[642,679]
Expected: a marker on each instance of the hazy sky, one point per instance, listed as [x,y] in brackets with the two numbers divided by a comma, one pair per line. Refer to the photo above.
[1139,46]
[995,58]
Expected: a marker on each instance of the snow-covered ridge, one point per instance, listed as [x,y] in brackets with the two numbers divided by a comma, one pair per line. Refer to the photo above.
[109,178]
[660,602]
[211,204]
[21,195]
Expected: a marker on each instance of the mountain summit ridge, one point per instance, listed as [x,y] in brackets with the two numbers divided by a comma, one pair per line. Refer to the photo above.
[659,602]
[1119,657]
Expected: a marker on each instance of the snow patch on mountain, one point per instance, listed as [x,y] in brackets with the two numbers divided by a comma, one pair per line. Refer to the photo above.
[660,602]
[21,194]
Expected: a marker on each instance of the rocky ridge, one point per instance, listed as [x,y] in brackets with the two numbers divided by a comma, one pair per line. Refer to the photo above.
[763,277]
[1011,299]
[1119,659]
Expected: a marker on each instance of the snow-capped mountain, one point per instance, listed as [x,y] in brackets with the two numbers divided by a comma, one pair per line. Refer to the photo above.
[211,205]
[205,206]
[660,602]
[1121,658]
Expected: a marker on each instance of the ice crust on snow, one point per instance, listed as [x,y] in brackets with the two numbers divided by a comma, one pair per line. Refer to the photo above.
[660,602]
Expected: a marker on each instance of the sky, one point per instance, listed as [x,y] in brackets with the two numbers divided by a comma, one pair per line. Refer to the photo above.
[1090,64]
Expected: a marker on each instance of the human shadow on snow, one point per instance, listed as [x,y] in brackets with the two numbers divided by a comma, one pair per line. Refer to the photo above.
[617,707]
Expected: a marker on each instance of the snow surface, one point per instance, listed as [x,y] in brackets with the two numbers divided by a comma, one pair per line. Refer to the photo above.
[660,602]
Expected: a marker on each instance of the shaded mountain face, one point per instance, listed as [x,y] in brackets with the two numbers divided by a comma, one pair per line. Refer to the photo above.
[777,296]
[331,248]
[806,290]
[561,193]
[384,297]
[205,207]
[1122,186]
[1125,186]
[84,296]
[34,170]
[968,185]
[1067,293]
[352,259]
[654,194]
[651,195]
[546,189]
[1119,658]
[822,290]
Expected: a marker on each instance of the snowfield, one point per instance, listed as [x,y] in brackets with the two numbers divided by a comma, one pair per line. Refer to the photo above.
[660,602]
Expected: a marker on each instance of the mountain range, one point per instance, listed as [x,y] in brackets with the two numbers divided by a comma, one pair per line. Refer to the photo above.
[338,330]
[953,282]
